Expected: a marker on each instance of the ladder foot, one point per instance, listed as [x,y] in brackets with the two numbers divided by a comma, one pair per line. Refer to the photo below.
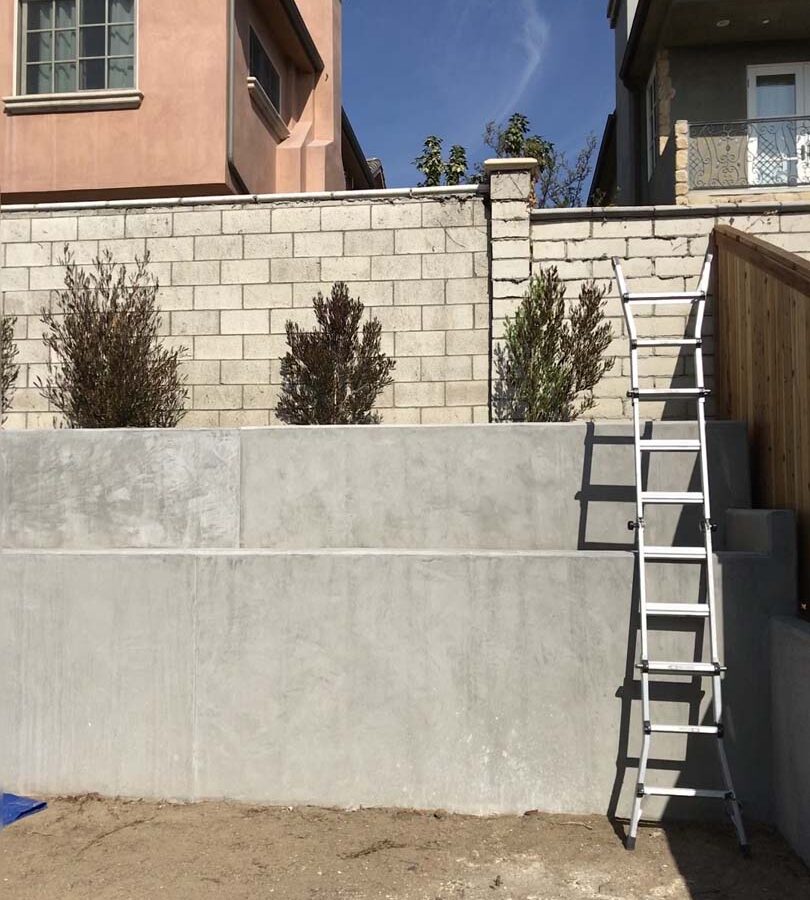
[630,843]
[745,849]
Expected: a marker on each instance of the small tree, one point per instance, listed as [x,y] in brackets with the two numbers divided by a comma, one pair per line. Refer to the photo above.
[9,370]
[109,368]
[332,375]
[430,162]
[456,166]
[549,363]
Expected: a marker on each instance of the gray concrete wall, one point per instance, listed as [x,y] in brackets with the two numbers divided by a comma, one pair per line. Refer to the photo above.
[510,487]
[790,686]
[484,682]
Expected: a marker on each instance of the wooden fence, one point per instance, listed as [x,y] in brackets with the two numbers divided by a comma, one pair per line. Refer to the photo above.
[762,333]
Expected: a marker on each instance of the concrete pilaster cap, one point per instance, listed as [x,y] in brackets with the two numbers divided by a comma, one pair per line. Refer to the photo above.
[510,164]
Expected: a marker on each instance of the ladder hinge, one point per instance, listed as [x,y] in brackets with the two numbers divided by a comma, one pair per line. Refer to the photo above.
[640,790]
[718,669]
[635,524]
[633,343]
[731,796]
[699,342]
[645,665]
[633,394]
[707,525]
[720,730]
[648,728]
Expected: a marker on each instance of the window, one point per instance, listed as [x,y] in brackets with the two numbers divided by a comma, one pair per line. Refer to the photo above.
[76,45]
[264,71]
[651,120]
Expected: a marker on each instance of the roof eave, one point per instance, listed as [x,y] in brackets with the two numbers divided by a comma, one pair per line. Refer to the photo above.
[300,27]
[351,137]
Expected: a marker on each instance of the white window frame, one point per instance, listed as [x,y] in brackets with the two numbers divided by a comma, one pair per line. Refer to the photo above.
[264,103]
[801,72]
[74,101]
[651,121]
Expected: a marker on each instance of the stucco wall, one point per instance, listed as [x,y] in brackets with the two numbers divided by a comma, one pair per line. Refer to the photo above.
[177,138]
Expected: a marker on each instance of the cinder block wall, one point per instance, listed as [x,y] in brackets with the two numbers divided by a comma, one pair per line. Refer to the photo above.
[663,249]
[440,268]
[232,275]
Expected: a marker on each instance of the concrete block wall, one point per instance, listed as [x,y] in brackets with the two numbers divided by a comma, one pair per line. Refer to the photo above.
[232,274]
[440,268]
[662,249]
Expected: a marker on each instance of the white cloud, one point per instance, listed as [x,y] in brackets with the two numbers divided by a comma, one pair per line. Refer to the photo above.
[532,40]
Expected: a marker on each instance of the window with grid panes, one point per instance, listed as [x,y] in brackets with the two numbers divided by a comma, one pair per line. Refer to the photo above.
[76,45]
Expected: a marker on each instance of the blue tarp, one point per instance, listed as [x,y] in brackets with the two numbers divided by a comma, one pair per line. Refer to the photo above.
[15,808]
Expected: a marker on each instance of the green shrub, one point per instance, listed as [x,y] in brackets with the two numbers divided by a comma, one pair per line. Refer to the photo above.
[109,367]
[549,362]
[332,375]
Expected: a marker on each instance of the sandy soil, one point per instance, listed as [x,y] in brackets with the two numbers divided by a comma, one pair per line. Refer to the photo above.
[98,849]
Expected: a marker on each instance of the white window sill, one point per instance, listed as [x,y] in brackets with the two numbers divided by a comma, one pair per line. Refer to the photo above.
[77,101]
[269,113]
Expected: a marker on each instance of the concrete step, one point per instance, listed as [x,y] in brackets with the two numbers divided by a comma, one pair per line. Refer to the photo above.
[504,487]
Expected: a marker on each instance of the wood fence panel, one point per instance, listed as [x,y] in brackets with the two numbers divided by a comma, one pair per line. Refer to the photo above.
[762,332]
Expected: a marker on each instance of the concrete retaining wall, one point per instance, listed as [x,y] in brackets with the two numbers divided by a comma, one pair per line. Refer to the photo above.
[790,686]
[478,682]
[512,487]
[468,652]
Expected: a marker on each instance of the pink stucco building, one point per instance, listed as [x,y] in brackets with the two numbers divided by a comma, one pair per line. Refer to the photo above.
[148,98]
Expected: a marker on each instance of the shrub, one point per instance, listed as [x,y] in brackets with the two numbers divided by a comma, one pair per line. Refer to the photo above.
[8,366]
[332,375]
[109,368]
[549,363]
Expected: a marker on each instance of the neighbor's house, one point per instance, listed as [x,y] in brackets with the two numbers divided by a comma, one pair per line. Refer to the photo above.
[712,103]
[148,98]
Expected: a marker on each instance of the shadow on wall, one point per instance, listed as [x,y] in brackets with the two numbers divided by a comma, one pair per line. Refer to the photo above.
[745,592]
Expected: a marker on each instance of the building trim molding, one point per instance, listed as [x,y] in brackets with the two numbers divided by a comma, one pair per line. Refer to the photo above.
[76,101]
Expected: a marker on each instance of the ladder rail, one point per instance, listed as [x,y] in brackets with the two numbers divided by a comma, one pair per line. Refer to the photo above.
[704,554]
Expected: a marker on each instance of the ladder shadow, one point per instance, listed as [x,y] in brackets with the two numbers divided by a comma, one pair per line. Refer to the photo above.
[688,520]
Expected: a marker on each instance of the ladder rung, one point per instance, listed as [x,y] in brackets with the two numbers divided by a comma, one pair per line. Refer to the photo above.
[661,667]
[696,610]
[666,342]
[685,792]
[668,393]
[684,729]
[668,446]
[664,298]
[678,553]
[671,497]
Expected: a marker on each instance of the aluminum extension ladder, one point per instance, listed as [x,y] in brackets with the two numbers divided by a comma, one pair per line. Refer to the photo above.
[696,302]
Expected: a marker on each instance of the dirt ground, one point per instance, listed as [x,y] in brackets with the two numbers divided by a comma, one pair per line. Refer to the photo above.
[98,849]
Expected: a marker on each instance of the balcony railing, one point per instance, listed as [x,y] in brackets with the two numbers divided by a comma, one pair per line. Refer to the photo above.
[754,153]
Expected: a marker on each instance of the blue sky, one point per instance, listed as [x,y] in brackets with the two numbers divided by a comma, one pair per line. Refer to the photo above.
[446,67]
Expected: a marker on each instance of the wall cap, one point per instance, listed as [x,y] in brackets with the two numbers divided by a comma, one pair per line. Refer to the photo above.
[461,192]
[611,213]
[510,164]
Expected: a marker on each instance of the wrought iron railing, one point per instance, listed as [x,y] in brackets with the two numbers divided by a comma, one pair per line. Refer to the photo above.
[754,153]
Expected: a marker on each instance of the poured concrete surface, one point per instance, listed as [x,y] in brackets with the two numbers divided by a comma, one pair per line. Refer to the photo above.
[113,850]
[790,687]
[480,682]
[490,487]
